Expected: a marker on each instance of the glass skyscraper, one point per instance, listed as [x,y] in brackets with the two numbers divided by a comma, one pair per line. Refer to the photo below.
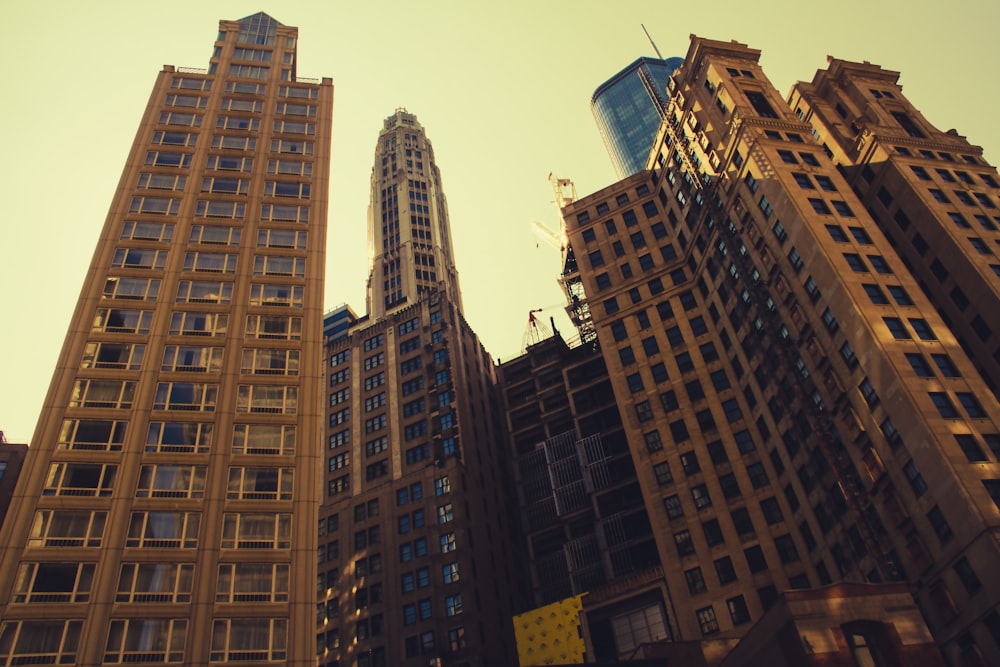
[628,108]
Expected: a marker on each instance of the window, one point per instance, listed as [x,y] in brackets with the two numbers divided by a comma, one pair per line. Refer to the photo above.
[700,496]
[755,558]
[837,233]
[847,352]
[787,552]
[445,513]
[724,570]
[787,157]
[939,196]
[695,581]
[944,405]
[970,447]
[971,405]
[945,365]
[738,611]
[993,488]
[868,393]
[706,621]
[879,264]
[897,328]
[662,472]
[830,321]
[855,262]
[923,330]
[939,524]
[919,365]
[967,575]
[875,294]
[672,505]
[779,231]
[812,289]
[760,104]
[772,511]
[959,220]
[689,463]
[819,206]
[843,210]
[685,547]
[732,410]
[758,475]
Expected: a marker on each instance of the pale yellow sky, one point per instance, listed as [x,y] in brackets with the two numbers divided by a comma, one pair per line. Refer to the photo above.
[503,90]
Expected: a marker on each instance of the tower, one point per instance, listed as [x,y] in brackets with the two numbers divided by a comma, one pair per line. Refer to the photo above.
[798,411]
[409,236]
[628,109]
[168,504]
[416,528]
[931,192]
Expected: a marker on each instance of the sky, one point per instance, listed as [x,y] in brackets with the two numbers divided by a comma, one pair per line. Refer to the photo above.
[502,89]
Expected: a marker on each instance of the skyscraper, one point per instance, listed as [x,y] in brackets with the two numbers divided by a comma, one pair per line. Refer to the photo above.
[416,530]
[167,508]
[628,109]
[798,411]
[931,192]
[409,236]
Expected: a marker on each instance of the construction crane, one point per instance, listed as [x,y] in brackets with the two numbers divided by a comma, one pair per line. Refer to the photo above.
[536,331]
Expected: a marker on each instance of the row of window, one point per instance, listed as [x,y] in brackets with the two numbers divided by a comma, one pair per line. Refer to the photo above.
[226,142]
[197,396]
[202,291]
[143,640]
[159,529]
[190,323]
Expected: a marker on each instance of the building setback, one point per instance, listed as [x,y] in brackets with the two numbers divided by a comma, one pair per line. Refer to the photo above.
[417,530]
[798,411]
[166,512]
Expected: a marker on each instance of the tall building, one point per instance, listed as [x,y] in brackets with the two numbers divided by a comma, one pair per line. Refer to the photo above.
[409,235]
[417,529]
[931,192]
[167,508]
[798,411]
[628,109]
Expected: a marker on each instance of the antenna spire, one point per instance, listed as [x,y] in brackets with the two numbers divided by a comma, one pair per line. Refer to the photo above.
[651,42]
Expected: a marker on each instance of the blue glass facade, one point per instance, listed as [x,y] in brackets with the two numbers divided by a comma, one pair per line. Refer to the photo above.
[337,322]
[628,108]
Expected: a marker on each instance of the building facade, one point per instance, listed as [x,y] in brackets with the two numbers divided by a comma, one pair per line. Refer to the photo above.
[798,411]
[931,192]
[166,512]
[417,531]
[588,539]
[628,109]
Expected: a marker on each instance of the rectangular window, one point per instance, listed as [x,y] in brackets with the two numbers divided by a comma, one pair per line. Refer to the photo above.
[163,530]
[253,639]
[39,642]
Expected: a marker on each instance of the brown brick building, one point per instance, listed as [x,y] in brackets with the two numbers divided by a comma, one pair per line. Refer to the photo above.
[931,192]
[417,530]
[798,411]
[166,512]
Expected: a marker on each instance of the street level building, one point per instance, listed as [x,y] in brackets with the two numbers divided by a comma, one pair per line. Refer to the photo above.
[417,528]
[798,411]
[628,109]
[166,512]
